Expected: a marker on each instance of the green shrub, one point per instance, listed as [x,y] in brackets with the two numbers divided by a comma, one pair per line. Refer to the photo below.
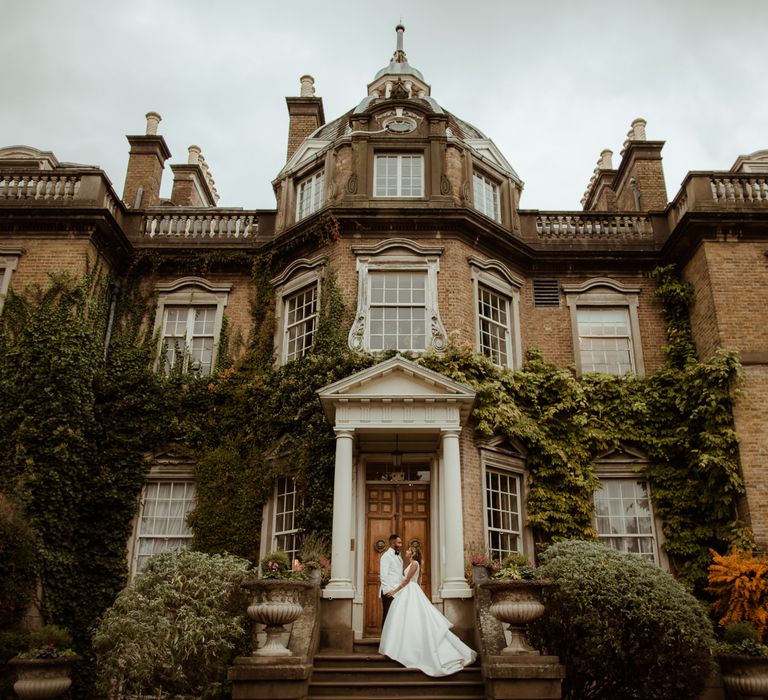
[18,567]
[622,627]
[174,630]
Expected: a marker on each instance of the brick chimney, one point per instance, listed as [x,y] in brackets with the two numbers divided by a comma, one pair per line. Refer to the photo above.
[306,114]
[193,185]
[639,183]
[145,166]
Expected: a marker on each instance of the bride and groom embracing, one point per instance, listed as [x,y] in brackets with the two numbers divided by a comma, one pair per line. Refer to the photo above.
[414,633]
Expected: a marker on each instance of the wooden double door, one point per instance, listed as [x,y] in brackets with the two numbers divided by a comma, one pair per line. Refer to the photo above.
[401,508]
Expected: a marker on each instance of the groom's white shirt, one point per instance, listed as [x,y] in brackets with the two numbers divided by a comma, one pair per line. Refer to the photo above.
[390,571]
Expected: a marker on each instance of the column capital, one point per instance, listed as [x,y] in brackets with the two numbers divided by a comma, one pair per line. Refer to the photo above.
[344,433]
[450,432]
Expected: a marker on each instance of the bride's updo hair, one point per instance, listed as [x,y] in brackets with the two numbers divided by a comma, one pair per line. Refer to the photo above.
[416,554]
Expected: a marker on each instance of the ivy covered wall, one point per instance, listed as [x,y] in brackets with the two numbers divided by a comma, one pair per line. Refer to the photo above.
[75,424]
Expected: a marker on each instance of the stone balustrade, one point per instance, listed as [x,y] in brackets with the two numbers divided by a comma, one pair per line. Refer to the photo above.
[744,189]
[218,224]
[44,187]
[592,226]
[719,191]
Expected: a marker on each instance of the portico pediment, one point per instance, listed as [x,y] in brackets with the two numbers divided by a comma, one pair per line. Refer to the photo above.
[397,393]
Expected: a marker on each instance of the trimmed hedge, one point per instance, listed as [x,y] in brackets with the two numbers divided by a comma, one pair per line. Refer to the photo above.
[622,627]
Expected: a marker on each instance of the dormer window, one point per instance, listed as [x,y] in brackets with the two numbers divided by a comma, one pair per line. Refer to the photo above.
[399,176]
[309,197]
[486,196]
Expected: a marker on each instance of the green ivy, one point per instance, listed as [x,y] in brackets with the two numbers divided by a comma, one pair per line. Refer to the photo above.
[75,426]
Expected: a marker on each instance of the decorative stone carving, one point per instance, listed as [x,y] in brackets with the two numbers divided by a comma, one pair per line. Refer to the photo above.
[445,184]
[747,675]
[439,336]
[357,334]
[275,604]
[352,184]
[38,679]
[516,602]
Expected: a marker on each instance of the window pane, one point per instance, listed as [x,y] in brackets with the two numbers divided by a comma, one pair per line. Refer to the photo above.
[301,316]
[309,197]
[502,493]
[285,533]
[624,518]
[162,522]
[398,311]
[399,176]
[493,314]
[604,340]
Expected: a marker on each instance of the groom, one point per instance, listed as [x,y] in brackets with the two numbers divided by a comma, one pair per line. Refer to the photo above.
[390,573]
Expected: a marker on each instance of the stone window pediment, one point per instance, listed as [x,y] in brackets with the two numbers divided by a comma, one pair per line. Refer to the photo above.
[397,306]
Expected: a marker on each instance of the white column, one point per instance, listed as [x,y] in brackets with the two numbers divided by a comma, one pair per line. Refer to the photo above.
[340,585]
[454,583]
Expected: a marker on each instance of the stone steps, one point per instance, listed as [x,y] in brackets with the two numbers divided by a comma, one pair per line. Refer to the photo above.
[371,676]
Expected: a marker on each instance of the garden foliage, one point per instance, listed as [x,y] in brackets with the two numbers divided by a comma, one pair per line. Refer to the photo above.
[172,633]
[622,627]
[739,582]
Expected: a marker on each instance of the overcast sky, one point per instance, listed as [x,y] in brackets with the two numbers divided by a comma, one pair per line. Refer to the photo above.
[551,82]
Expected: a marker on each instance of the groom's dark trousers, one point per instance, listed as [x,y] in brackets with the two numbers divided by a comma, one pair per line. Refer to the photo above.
[386,601]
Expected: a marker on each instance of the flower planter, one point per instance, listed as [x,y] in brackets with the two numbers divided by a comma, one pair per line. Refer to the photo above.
[276,602]
[747,675]
[42,678]
[516,602]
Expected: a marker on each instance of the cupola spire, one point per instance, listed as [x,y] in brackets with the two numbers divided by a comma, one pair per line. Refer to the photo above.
[398,78]
[399,55]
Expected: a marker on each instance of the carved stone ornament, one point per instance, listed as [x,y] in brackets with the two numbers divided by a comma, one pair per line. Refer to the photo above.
[399,91]
[445,184]
[465,193]
[357,333]
[352,184]
[439,337]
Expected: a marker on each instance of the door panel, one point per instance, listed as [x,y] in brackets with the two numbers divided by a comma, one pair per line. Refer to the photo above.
[401,508]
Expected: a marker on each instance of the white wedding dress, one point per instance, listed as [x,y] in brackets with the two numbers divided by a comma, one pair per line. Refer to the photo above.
[418,636]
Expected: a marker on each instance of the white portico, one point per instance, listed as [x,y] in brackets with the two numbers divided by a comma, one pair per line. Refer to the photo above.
[388,409]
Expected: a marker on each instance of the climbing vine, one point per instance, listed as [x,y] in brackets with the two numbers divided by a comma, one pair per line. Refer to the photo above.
[75,424]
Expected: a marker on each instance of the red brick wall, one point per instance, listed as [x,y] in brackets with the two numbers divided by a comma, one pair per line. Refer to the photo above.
[751,422]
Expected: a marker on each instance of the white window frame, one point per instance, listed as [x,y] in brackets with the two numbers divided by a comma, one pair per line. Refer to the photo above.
[625,464]
[298,276]
[190,292]
[9,259]
[292,532]
[398,158]
[397,255]
[486,195]
[602,292]
[171,474]
[498,279]
[498,456]
[310,193]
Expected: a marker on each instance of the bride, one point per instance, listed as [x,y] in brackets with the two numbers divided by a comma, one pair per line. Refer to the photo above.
[415,634]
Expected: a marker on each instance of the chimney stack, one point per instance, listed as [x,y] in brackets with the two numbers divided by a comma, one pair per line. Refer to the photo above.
[145,166]
[305,113]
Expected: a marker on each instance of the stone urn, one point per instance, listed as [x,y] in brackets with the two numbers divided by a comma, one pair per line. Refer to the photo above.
[516,602]
[276,602]
[42,678]
[747,675]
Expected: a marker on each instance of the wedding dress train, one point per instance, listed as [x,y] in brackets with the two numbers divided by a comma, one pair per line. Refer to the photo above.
[418,636]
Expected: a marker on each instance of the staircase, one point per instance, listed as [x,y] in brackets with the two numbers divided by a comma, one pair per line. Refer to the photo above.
[367,675]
